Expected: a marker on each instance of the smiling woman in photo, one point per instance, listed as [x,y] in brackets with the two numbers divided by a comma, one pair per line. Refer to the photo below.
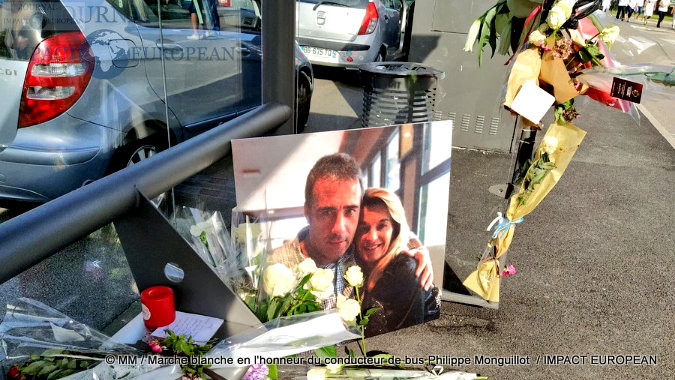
[390,282]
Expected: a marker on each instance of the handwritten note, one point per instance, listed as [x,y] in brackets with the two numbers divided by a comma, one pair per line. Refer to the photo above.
[200,327]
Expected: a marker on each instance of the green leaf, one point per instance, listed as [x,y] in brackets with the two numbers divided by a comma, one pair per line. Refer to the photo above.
[486,31]
[351,353]
[262,311]
[304,280]
[372,311]
[273,371]
[34,367]
[326,352]
[272,309]
[72,364]
[285,306]
[493,36]
[46,370]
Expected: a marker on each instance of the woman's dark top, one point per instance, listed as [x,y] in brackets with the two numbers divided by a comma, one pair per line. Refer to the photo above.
[401,299]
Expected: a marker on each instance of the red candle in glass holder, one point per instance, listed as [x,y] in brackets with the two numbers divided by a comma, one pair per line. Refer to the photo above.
[158,307]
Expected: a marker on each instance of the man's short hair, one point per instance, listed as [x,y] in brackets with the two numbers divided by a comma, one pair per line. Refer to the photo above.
[336,167]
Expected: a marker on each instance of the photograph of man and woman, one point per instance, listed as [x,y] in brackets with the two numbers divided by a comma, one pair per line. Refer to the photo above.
[374,197]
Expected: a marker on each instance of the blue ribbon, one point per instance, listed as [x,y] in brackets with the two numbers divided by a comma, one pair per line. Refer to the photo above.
[503,225]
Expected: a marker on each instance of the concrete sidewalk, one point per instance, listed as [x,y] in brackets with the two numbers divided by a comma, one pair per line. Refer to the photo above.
[593,259]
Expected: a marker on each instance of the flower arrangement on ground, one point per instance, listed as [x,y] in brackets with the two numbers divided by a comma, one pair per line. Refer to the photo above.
[553,44]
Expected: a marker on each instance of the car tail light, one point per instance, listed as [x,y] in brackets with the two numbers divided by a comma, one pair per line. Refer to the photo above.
[57,76]
[369,20]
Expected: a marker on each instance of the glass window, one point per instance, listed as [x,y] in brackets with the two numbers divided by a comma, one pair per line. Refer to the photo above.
[375,170]
[199,14]
[89,281]
[393,164]
[437,145]
[348,3]
[434,196]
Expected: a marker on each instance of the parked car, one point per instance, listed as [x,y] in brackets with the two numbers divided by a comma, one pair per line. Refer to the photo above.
[348,33]
[84,84]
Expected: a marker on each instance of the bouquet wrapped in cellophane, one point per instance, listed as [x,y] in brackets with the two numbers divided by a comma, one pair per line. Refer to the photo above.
[38,342]
[558,47]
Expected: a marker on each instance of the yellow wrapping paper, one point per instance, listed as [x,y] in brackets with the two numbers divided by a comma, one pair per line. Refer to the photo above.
[503,242]
[485,281]
[554,72]
[561,143]
[526,67]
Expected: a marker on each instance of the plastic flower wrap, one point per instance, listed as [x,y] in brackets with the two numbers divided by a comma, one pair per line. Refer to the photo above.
[38,341]
[207,234]
[349,372]
[548,164]
[285,336]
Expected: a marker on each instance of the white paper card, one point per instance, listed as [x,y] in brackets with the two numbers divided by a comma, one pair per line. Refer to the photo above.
[532,102]
[200,327]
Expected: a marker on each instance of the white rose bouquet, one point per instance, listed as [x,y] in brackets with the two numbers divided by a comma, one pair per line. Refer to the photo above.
[291,291]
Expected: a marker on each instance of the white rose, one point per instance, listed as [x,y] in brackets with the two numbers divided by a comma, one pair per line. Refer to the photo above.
[316,373]
[334,368]
[567,6]
[348,309]
[549,144]
[306,267]
[354,276]
[556,17]
[610,34]
[322,280]
[537,38]
[473,34]
[577,37]
[198,228]
[278,280]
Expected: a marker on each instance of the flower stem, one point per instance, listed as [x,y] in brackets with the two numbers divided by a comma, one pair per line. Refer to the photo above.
[363,330]
[296,305]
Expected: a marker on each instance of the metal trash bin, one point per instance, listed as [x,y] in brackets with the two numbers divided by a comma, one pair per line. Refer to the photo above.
[398,92]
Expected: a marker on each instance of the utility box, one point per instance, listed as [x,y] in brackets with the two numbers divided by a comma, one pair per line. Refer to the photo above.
[468,95]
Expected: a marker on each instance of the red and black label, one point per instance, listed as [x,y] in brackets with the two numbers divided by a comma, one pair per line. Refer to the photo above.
[626,90]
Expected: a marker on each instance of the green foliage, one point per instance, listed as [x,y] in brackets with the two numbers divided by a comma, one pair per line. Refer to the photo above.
[202,238]
[298,301]
[591,53]
[535,175]
[326,352]
[273,371]
[184,345]
[363,320]
[56,364]
[497,23]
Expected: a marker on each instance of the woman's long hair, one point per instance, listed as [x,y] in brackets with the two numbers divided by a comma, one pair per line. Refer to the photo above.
[400,235]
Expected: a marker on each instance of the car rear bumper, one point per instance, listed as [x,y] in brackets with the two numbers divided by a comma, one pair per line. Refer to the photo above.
[349,55]
[27,182]
[54,158]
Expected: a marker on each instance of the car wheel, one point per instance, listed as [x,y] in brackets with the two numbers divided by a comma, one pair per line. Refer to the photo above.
[136,151]
[304,98]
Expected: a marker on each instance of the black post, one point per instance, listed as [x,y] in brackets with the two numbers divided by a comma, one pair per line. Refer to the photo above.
[278,49]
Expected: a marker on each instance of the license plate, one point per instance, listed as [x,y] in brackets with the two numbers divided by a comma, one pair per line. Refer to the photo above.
[314,52]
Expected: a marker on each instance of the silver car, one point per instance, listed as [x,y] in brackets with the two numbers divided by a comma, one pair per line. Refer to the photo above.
[83,84]
[348,33]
